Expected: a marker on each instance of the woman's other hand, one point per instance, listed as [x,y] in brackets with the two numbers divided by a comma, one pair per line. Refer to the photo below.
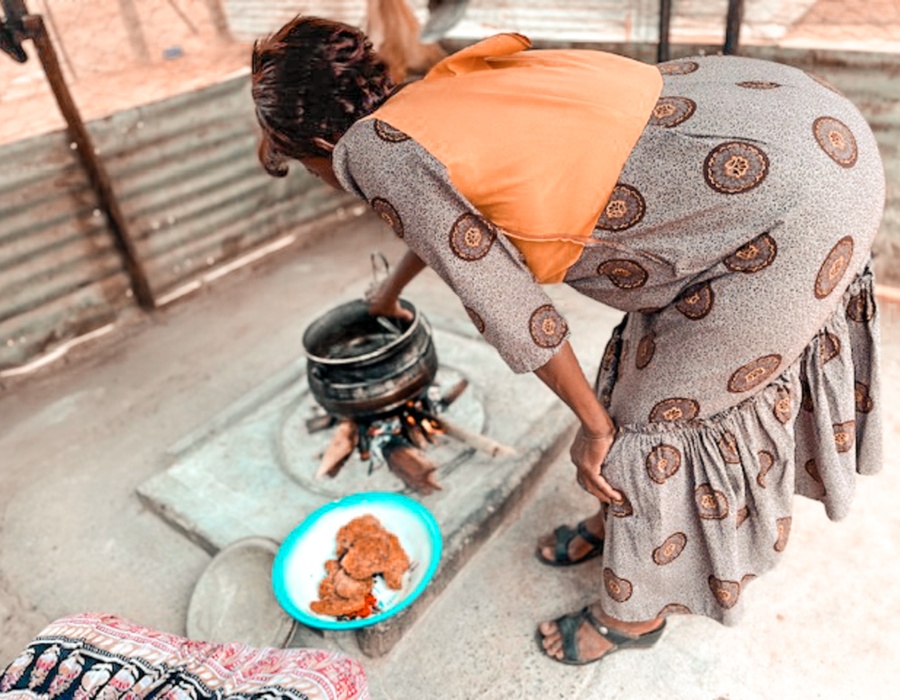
[587,453]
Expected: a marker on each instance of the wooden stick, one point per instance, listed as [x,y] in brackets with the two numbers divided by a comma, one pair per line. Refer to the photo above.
[480,442]
[341,446]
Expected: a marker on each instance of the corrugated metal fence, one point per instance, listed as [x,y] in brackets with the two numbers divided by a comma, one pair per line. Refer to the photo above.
[194,196]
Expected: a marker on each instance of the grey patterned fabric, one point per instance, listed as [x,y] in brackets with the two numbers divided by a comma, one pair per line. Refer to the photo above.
[745,369]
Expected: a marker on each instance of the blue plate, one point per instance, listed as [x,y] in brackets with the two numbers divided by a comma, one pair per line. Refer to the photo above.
[300,563]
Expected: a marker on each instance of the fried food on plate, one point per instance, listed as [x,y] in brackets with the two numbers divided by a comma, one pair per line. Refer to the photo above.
[365,550]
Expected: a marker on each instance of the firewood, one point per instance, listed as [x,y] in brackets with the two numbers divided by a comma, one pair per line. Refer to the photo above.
[477,440]
[341,446]
[412,465]
[454,392]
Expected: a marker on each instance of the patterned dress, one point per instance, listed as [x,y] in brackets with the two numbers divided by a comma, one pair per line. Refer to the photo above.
[737,241]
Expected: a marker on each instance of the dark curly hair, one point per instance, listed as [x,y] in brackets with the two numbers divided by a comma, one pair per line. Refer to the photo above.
[311,80]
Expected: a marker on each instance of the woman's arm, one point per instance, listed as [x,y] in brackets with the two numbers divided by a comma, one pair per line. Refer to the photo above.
[384,299]
[565,378]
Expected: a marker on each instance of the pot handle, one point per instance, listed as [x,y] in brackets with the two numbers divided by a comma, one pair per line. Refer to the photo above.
[378,259]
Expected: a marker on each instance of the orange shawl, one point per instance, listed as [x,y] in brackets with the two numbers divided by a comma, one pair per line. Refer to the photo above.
[535,140]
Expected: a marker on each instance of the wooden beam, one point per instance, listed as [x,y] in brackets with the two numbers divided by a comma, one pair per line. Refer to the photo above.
[37,32]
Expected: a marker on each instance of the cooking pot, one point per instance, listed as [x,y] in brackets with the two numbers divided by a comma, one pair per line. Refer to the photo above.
[360,365]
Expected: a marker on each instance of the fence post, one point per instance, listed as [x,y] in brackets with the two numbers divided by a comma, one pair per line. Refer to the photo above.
[32,26]
[733,26]
[665,20]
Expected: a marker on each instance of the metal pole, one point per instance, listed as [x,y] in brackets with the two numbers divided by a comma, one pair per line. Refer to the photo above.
[733,26]
[37,32]
[665,19]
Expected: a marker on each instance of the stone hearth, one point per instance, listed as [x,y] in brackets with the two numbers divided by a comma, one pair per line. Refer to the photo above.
[250,471]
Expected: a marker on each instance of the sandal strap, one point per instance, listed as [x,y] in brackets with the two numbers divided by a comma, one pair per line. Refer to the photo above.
[592,539]
[562,536]
[568,627]
[620,638]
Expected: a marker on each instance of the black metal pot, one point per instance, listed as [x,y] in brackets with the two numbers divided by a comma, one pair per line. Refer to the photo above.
[359,365]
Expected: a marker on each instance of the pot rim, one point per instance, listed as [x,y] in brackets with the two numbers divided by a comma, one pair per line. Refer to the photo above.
[375,354]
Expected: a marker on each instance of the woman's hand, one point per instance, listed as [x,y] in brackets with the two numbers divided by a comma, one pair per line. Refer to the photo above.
[383,301]
[563,375]
[587,453]
[384,298]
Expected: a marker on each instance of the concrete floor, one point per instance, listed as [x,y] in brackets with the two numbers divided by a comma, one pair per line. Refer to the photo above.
[78,439]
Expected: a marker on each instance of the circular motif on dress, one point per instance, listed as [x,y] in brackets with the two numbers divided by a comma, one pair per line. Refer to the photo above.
[812,468]
[674,609]
[758,84]
[864,402]
[674,409]
[472,237]
[621,508]
[783,526]
[711,504]
[726,593]
[829,346]
[844,435]
[662,462]
[386,132]
[388,215]
[783,405]
[741,516]
[645,349]
[548,328]
[860,309]
[834,267]
[696,301]
[623,210]
[678,67]
[753,257]
[669,550]
[766,462]
[753,373]
[619,589]
[836,139]
[735,167]
[625,274]
[728,448]
[672,111]
[475,318]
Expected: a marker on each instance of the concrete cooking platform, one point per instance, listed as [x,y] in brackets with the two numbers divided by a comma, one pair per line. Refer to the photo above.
[249,472]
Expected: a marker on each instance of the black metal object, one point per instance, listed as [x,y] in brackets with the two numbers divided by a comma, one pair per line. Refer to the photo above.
[665,20]
[733,26]
[362,366]
[11,29]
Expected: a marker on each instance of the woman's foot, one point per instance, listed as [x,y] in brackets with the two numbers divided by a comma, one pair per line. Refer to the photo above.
[590,634]
[565,546]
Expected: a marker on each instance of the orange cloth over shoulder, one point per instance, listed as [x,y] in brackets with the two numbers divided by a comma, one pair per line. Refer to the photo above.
[535,140]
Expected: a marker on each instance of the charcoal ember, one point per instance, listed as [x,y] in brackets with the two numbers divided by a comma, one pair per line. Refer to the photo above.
[412,465]
[416,435]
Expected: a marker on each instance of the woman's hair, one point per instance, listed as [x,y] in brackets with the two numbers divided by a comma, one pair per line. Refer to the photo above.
[311,80]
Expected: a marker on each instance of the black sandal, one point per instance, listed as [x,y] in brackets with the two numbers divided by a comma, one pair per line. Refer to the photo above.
[568,627]
[563,536]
